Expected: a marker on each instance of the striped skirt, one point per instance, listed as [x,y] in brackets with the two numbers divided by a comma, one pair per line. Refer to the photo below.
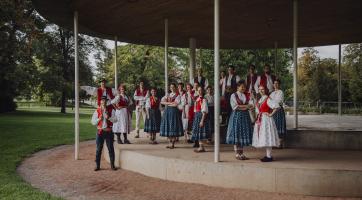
[200,133]
[171,123]
[240,130]
[279,118]
[153,123]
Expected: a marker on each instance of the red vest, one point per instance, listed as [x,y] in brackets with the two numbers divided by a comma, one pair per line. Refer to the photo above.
[100,93]
[264,106]
[198,104]
[263,81]
[139,93]
[122,102]
[109,112]
[155,102]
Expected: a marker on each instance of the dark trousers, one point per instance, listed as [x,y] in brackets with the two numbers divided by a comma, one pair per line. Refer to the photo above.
[108,137]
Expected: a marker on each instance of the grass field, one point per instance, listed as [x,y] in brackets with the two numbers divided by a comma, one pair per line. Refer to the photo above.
[29,130]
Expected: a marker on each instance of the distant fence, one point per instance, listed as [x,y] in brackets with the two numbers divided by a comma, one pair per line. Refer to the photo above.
[321,107]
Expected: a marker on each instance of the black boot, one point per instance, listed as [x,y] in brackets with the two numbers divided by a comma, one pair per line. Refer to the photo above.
[97,168]
[126,141]
[113,167]
[196,145]
[119,141]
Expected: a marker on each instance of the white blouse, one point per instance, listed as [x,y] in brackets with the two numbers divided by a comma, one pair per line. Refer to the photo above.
[204,107]
[148,103]
[118,98]
[95,119]
[277,96]
[227,82]
[271,103]
[233,102]
[171,95]
[210,100]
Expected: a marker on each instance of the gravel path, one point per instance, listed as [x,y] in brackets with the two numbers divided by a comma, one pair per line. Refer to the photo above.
[55,171]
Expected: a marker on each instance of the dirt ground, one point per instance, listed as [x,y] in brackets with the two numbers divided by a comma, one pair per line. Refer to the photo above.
[55,171]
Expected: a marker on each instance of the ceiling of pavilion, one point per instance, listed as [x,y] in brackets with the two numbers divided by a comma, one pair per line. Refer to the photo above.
[244,23]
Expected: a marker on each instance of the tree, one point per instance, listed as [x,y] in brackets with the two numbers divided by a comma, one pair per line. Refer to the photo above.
[353,63]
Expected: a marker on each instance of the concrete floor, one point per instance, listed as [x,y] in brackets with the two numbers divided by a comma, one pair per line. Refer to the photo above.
[327,122]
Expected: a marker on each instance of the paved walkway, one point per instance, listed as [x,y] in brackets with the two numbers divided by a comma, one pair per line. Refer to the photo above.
[56,172]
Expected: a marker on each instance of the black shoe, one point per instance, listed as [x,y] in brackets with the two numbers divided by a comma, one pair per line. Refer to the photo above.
[127,141]
[266,159]
[113,168]
[97,169]
[119,141]
[189,141]
[196,145]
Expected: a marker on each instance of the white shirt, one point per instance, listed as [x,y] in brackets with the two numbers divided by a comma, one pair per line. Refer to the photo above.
[118,98]
[148,103]
[271,103]
[95,119]
[234,103]
[251,86]
[277,96]
[269,83]
[204,106]
[210,99]
[227,82]
[171,95]
[141,99]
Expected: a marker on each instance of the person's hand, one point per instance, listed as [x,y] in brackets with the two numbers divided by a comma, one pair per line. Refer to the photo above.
[201,124]
[106,116]
[270,114]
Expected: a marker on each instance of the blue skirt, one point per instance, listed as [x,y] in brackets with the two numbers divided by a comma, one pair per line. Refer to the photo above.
[240,130]
[200,133]
[279,118]
[153,123]
[171,123]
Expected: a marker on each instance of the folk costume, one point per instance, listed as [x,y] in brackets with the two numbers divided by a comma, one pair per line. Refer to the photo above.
[140,97]
[200,108]
[279,116]
[123,115]
[171,123]
[153,120]
[104,119]
[265,131]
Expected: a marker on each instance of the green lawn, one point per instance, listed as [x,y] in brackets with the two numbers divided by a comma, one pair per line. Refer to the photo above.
[29,130]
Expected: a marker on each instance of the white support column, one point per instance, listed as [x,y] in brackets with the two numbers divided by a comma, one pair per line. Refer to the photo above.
[166,56]
[115,64]
[192,59]
[76,86]
[216,79]
[339,80]
[275,58]
[295,64]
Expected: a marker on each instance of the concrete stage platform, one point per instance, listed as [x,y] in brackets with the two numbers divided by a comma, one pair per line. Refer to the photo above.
[295,171]
[323,158]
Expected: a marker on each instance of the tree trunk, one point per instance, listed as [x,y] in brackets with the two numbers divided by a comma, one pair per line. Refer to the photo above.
[63,103]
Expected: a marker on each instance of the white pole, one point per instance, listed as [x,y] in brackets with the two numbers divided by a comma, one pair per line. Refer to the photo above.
[275,57]
[115,64]
[192,59]
[216,79]
[200,57]
[295,58]
[339,80]
[166,56]
[76,86]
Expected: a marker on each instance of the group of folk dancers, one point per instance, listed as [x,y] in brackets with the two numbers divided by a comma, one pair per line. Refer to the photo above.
[251,108]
